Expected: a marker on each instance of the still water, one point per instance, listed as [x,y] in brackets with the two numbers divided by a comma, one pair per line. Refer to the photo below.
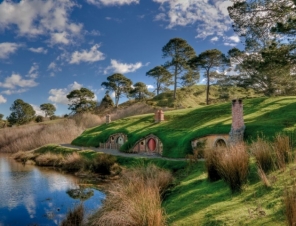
[37,196]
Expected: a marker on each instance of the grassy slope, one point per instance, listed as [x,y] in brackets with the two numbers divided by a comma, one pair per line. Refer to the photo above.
[262,115]
[196,201]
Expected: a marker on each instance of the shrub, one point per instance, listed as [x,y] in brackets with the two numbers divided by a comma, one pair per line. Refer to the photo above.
[103,163]
[263,154]
[39,118]
[73,162]
[290,205]
[74,217]
[49,159]
[283,150]
[135,199]
[233,167]
[212,158]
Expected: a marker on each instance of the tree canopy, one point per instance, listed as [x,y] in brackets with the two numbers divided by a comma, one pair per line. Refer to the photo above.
[179,52]
[107,101]
[140,91]
[81,100]
[162,77]
[48,108]
[119,84]
[21,113]
[210,61]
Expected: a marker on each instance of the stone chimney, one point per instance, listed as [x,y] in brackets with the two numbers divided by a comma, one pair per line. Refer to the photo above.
[159,116]
[238,127]
[108,119]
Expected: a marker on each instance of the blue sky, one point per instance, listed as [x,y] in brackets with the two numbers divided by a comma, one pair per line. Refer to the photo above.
[50,47]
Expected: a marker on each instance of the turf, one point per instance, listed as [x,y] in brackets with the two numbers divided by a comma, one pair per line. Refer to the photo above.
[267,116]
[196,201]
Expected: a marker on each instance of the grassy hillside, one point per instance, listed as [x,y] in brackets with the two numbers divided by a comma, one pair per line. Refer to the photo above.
[262,115]
[197,201]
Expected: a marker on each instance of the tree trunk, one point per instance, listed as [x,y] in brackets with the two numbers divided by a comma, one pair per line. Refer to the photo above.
[208,87]
[116,101]
[175,85]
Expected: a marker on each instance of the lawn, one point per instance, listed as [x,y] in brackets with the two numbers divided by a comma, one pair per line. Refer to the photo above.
[267,116]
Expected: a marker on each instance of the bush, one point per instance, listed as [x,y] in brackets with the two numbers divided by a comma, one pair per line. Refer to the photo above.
[135,199]
[39,118]
[103,163]
[74,217]
[290,205]
[283,150]
[263,153]
[233,167]
[212,158]
[73,162]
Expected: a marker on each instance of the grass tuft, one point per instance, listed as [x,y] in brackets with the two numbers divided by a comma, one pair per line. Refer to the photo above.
[74,217]
[290,205]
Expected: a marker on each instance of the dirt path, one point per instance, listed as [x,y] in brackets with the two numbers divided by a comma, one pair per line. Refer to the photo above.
[118,153]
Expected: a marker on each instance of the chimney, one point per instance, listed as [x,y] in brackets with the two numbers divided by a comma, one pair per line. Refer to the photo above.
[159,116]
[238,127]
[108,119]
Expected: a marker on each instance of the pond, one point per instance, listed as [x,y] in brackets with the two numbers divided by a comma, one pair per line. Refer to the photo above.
[31,195]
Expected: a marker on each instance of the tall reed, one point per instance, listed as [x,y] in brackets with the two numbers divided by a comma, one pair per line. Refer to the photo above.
[135,199]
[290,205]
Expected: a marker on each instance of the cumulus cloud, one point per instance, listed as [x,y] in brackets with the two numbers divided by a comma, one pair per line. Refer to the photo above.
[90,56]
[15,80]
[7,48]
[15,91]
[117,67]
[211,17]
[150,86]
[2,99]
[38,50]
[35,17]
[59,96]
[37,110]
[112,2]
[214,39]
[231,41]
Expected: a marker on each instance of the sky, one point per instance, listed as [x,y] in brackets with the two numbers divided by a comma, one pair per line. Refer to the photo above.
[50,47]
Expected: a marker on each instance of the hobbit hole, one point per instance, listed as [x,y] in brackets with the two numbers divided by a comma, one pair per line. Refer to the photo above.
[150,144]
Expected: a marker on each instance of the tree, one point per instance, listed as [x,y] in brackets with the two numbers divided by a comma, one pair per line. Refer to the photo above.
[107,101]
[22,113]
[140,91]
[119,84]
[269,71]
[179,52]
[48,108]
[1,116]
[162,77]
[210,61]
[81,100]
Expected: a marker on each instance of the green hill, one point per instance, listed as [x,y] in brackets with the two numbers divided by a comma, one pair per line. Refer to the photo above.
[262,115]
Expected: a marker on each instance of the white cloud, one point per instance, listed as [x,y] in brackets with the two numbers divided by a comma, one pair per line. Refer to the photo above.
[14,91]
[211,17]
[33,72]
[90,56]
[2,100]
[234,38]
[37,110]
[60,38]
[15,80]
[117,67]
[214,39]
[59,96]
[38,50]
[35,17]
[7,48]
[112,2]
[150,86]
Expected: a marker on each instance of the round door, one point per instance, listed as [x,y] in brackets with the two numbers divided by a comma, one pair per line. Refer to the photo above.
[151,144]
[120,140]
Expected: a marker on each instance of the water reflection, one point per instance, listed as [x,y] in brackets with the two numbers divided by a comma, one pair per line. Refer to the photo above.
[31,195]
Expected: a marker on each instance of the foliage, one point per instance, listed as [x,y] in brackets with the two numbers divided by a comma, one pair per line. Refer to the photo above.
[210,61]
[39,118]
[119,84]
[22,113]
[107,101]
[162,77]
[48,108]
[140,91]
[1,116]
[81,100]
[179,52]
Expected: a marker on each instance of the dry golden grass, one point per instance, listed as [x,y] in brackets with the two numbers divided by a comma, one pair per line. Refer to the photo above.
[233,167]
[263,153]
[135,199]
[88,120]
[74,217]
[283,150]
[263,177]
[290,205]
[49,159]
